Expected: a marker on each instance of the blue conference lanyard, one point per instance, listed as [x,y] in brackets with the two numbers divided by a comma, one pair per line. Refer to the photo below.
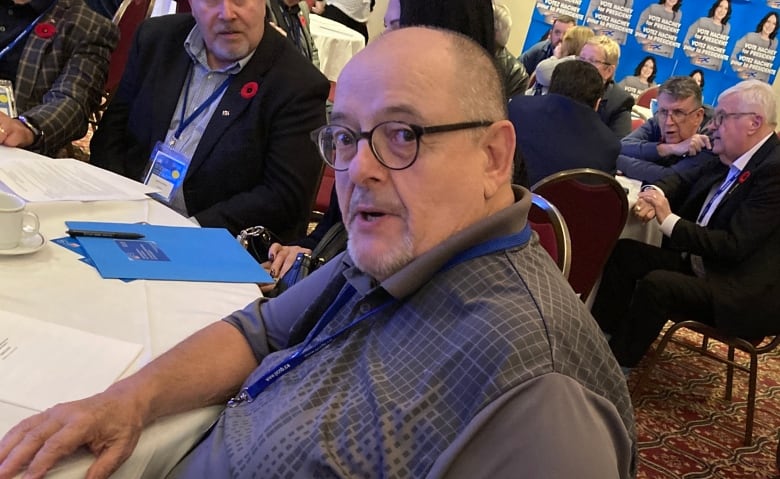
[248,394]
[733,173]
[26,31]
[185,122]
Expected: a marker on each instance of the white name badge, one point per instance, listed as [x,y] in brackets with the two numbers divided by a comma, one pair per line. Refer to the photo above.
[7,104]
[166,172]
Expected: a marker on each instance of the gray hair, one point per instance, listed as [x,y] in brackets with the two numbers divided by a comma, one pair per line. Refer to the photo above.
[757,95]
[502,23]
[680,88]
[481,96]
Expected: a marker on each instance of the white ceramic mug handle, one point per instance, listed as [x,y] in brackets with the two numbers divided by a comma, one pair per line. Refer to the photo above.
[30,223]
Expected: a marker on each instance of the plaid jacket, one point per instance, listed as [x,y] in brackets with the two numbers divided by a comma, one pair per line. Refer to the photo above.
[60,79]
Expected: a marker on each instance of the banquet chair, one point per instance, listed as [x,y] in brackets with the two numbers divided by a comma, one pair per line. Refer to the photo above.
[644,98]
[752,348]
[595,208]
[322,198]
[128,16]
[547,221]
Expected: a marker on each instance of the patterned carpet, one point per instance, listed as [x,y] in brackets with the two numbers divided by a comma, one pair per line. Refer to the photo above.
[687,430]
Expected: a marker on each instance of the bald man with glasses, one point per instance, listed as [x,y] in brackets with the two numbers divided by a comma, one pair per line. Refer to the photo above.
[443,343]
[674,139]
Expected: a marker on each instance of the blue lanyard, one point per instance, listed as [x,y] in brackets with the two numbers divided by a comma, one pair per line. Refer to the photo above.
[184,123]
[26,31]
[733,173]
[308,349]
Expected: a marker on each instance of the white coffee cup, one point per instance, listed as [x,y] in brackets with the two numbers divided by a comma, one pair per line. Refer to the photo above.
[15,222]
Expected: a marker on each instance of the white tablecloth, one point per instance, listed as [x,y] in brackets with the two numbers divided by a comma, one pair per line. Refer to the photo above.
[648,232]
[335,43]
[52,285]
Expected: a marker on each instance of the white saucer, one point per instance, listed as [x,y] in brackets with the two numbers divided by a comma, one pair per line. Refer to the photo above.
[29,244]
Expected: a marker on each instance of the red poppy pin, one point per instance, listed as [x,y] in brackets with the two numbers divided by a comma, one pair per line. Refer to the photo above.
[303,21]
[744,176]
[249,90]
[45,30]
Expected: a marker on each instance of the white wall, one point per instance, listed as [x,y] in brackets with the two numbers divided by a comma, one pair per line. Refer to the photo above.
[522,11]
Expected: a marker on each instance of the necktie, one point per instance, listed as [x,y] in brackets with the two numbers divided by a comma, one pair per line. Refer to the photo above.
[715,199]
[706,212]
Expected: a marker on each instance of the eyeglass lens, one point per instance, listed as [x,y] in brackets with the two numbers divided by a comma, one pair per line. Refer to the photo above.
[394,144]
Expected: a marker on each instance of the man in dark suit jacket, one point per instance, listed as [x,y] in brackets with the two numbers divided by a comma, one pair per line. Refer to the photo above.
[722,258]
[292,16]
[616,104]
[251,160]
[561,130]
[58,71]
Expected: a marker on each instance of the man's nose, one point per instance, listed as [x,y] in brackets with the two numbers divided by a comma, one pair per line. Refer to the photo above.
[227,10]
[365,166]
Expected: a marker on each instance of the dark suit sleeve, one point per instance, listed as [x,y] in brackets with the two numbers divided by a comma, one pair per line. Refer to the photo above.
[739,228]
[64,112]
[649,172]
[291,168]
[620,120]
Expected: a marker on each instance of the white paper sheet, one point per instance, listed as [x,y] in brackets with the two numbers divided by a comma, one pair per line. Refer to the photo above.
[38,178]
[42,364]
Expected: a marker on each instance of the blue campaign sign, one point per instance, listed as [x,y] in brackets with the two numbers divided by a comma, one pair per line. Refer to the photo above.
[719,41]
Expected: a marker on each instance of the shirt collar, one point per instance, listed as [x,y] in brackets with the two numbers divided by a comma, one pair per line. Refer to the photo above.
[510,220]
[742,161]
[195,47]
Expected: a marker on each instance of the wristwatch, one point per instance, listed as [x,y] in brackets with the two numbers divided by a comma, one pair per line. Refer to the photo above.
[37,132]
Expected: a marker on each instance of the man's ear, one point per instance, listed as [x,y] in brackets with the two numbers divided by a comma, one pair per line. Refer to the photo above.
[498,143]
[756,122]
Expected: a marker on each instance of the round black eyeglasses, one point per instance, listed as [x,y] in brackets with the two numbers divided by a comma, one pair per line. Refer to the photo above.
[394,143]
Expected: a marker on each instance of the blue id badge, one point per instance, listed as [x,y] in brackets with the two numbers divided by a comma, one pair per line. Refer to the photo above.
[167,170]
[7,104]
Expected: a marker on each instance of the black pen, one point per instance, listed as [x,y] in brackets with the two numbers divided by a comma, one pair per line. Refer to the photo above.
[103,234]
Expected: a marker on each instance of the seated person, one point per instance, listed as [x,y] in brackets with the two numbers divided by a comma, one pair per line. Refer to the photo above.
[615,107]
[516,76]
[561,130]
[474,18]
[722,252]
[466,353]
[573,41]
[237,112]
[544,48]
[292,17]
[58,68]
[672,141]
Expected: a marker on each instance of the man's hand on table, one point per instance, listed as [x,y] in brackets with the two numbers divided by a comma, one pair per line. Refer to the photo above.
[692,146]
[14,133]
[108,424]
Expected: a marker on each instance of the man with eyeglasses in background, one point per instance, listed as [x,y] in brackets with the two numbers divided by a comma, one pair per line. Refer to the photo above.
[721,256]
[674,139]
[615,108]
[443,343]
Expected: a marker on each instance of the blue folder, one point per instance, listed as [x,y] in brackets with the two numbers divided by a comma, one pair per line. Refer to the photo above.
[170,253]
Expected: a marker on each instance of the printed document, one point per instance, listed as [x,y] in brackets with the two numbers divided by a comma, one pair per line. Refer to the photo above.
[39,178]
[42,364]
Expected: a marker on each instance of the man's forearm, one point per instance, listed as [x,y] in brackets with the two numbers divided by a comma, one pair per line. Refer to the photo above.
[205,369]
